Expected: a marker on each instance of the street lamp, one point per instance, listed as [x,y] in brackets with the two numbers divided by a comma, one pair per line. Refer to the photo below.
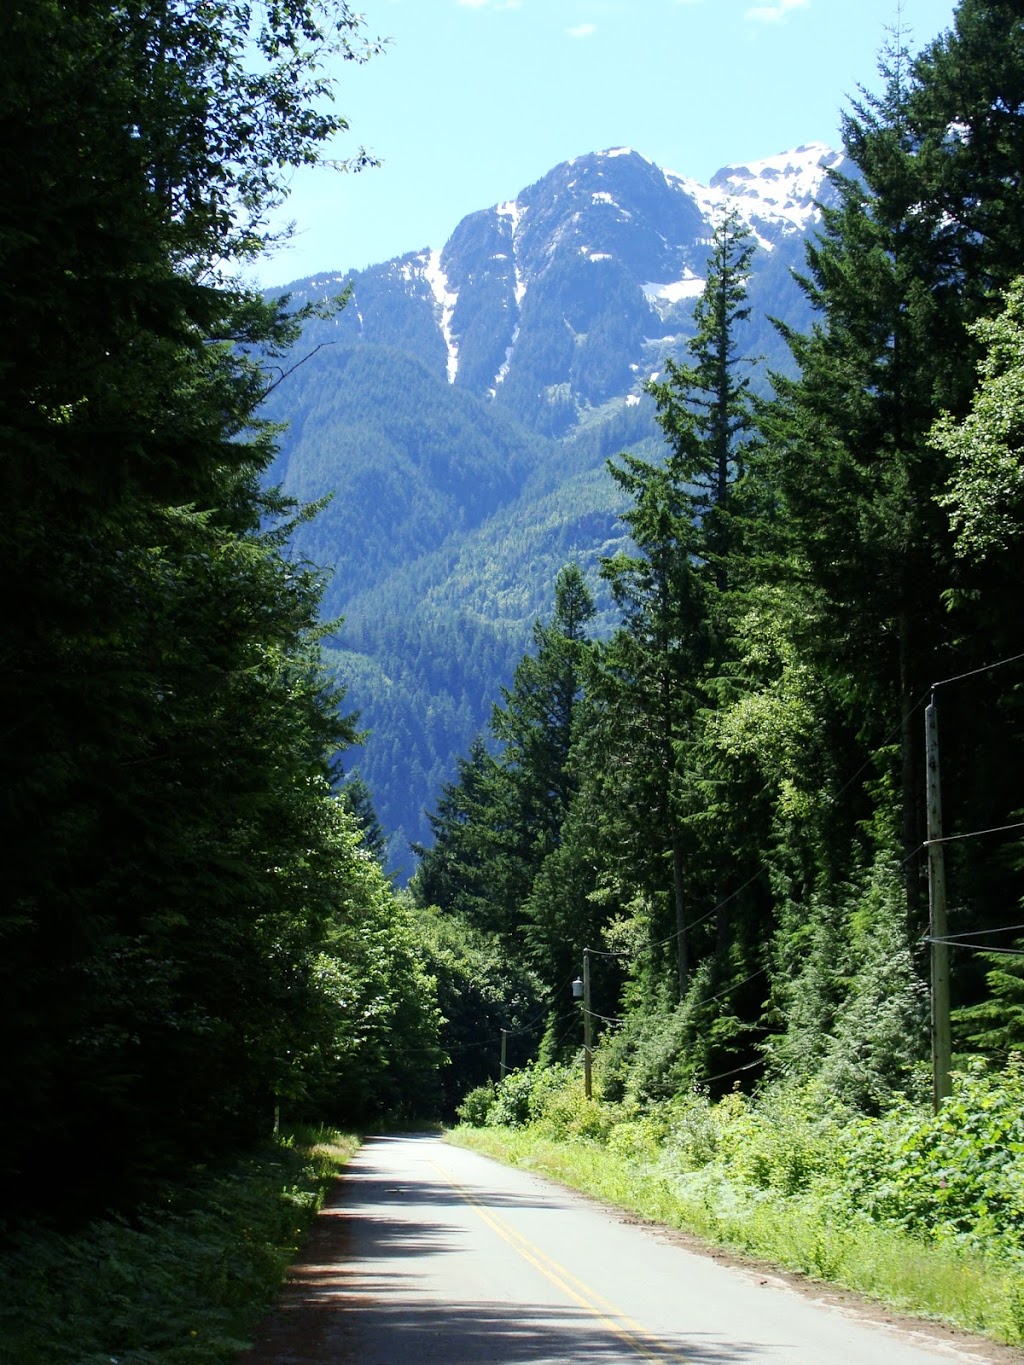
[581,991]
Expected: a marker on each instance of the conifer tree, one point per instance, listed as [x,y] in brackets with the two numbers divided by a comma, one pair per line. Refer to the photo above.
[649,684]
[704,408]
[500,820]
[849,451]
[687,527]
[458,872]
[904,262]
[165,778]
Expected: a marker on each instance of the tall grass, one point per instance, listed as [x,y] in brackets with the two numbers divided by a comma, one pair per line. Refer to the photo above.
[777,1180]
[182,1282]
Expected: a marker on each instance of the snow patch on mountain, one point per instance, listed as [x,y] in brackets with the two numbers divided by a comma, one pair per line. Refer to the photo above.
[777,192]
[691,286]
[514,211]
[511,208]
[446,301]
[783,188]
[500,377]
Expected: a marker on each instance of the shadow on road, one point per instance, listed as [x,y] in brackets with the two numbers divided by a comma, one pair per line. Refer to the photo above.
[334,1312]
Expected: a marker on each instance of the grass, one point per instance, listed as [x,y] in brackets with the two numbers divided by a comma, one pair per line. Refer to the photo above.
[937,1281]
[184,1282]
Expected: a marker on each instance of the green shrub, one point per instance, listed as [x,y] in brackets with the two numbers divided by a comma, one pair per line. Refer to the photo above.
[954,1176]
[783,1140]
[475,1108]
[532,1095]
[565,1112]
[512,1106]
[692,1128]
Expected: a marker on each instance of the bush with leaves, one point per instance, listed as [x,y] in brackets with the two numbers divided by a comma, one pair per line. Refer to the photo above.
[957,1175]
[475,1108]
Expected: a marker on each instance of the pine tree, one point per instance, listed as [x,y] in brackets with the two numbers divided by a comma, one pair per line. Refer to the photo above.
[688,528]
[164,774]
[849,450]
[501,819]
[651,674]
[458,872]
[704,409]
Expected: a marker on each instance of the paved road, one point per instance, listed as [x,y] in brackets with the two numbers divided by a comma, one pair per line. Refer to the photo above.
[434,1254]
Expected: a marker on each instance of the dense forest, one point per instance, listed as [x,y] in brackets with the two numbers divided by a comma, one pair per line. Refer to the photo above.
[722,804]
[196,931]
[720,795]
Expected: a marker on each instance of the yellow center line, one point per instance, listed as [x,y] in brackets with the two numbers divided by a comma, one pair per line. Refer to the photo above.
[617,1322]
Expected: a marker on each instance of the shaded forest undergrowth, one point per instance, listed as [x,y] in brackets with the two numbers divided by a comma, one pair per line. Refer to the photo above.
[924,1213]
[185,1279]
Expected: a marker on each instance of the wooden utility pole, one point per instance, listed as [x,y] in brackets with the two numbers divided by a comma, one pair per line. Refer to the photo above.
[587,1033]
[942,1045]
[504,1042]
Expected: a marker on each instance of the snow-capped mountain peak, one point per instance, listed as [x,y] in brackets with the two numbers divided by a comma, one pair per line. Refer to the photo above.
[783,188]
[563,301]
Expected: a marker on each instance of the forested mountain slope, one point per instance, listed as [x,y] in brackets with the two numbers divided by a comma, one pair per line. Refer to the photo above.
[460,409]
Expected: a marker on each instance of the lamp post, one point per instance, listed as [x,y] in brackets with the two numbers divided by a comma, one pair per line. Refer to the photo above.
[581,990]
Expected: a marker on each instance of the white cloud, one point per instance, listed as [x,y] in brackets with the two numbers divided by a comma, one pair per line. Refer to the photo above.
[582,31]
[775,14]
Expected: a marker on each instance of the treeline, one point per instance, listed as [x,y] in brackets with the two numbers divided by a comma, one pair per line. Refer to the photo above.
[195,930]
[724,801]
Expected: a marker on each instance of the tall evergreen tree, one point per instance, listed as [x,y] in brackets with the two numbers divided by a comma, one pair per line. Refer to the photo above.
[458,873]
[704,408]
[687,528]
[885,607]
[649,686]
[165,765]
[498,823]
[850,455]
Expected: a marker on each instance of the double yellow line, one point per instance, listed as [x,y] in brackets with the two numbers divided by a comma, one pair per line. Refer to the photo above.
[610,1317]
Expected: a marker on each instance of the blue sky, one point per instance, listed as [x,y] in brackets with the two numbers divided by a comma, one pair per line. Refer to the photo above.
[475,99]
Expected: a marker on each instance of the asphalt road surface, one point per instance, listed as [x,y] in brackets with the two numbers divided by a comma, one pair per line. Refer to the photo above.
[432,1253]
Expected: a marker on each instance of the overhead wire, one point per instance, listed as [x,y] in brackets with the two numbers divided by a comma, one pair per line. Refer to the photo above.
[974,672]
[982,933]
[974,834]
[722,1075]
[976,947]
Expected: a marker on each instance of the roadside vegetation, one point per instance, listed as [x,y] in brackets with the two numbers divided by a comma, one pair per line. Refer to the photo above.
[184,1280]
[924,1213]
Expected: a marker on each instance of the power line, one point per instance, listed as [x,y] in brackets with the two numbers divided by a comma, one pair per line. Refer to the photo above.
[706,1080]
[1001,663]
[605,1019]
[976,947]
[982,933]
[975,834]
[729,989]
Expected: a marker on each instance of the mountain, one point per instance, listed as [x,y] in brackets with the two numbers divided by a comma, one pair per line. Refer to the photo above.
[461,408]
